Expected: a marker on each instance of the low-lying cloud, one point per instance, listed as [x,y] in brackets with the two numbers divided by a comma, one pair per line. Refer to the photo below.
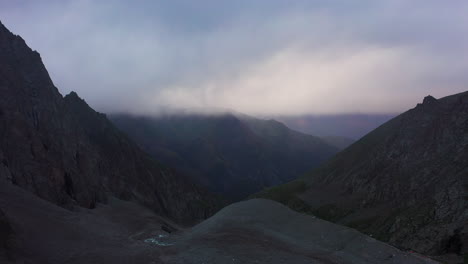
[265,57]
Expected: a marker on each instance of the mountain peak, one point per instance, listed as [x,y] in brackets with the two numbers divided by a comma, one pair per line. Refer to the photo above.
[74,97]
[3,27]
[429,100]
[73,94]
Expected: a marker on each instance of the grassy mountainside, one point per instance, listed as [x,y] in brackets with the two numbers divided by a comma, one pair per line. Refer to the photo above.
[404,182]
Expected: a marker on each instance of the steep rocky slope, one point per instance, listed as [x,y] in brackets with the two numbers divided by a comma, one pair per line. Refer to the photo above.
[64,152]
[405,182]
[6,235]
[232,154]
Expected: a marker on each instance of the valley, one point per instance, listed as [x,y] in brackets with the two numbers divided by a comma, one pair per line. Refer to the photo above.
[81,186]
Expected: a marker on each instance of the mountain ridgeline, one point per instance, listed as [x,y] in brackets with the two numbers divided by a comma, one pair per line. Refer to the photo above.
[66,153]
[232,154]
[406,182]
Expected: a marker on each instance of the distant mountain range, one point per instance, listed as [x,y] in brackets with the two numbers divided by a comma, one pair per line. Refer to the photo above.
[232,154]
[406,182]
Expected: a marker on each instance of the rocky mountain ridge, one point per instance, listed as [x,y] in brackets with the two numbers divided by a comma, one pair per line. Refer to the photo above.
[64,152]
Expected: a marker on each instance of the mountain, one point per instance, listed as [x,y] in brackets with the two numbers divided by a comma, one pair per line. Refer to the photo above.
[66,153]
[232,154]
[405,182]
[74,189]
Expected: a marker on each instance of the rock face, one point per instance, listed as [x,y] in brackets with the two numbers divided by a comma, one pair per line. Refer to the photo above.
[405,182]
[66,153]
[232,154]
[6,236]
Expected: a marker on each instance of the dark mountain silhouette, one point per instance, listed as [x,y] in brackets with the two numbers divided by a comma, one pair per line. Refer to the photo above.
[66,153]
[406,182]
[232,154]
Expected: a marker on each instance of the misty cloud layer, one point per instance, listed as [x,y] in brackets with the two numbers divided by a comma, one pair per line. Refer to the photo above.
[255,56]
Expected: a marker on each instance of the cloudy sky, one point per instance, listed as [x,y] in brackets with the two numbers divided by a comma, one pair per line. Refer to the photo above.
[260,57]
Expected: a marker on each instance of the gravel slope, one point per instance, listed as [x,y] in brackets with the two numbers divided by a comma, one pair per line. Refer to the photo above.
[264,231]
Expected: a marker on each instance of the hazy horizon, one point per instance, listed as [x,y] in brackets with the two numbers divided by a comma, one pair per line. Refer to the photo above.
[262,58]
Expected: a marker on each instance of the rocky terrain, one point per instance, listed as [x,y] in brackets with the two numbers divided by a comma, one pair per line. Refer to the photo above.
[256,231]
[405,182]
[66,153]
[232,154]
[262,231]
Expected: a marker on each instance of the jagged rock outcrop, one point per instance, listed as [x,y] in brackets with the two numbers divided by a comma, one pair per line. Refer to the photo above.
[428,100]
[65,152]
[405,182]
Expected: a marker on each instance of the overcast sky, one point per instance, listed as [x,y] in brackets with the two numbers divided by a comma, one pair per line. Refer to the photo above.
[261,57]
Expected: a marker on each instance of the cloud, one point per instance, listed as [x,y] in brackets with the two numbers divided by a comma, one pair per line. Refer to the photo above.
[258,56]
[367,80]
